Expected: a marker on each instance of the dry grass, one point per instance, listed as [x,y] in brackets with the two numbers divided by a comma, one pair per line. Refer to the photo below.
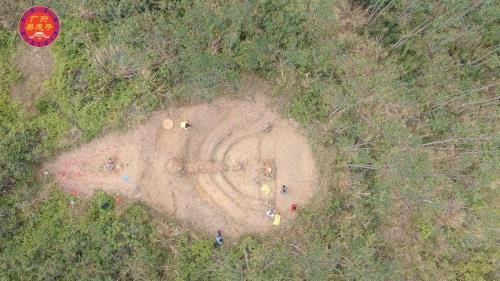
[9,14]
[453,216]
[118,61]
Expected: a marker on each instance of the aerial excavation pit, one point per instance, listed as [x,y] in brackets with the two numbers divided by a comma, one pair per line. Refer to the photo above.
[225,171]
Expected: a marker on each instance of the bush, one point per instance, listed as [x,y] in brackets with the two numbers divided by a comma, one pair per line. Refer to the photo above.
[63,242]
[309,106]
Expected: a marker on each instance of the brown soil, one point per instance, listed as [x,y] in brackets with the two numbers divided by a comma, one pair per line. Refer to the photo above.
[36,65]
[210,175]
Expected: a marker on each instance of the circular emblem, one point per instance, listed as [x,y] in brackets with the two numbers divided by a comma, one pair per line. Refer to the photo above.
[39,26]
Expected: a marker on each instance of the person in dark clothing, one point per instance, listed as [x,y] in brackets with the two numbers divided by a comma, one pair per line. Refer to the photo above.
[106,206]
[110,165]
[186,125]
[218,239]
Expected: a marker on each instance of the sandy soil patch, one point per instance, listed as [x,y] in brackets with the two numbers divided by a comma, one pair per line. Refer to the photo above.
[224,172]
[36,66]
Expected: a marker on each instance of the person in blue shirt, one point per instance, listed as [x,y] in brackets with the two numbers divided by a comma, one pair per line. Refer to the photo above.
[218,239]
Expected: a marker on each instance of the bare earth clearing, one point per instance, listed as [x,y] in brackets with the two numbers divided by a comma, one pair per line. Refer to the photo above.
[223,173]
[36,65]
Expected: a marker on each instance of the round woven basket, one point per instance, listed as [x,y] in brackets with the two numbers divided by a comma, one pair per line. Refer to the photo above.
[168,124]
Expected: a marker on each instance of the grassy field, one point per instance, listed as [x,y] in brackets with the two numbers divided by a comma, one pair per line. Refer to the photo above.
[399,99]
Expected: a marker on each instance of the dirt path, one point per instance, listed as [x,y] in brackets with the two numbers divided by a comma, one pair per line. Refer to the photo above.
[210,176]
[36,66]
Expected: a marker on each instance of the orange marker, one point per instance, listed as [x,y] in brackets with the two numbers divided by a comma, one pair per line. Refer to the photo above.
[118,200]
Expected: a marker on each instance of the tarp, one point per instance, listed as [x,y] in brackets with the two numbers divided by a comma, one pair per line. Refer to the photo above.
[277,219]
[265,188]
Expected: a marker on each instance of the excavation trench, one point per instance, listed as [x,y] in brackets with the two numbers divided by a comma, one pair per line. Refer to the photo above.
[222,173]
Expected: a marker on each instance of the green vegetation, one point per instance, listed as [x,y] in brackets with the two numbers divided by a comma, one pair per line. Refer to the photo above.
[62,242]
[399,99]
